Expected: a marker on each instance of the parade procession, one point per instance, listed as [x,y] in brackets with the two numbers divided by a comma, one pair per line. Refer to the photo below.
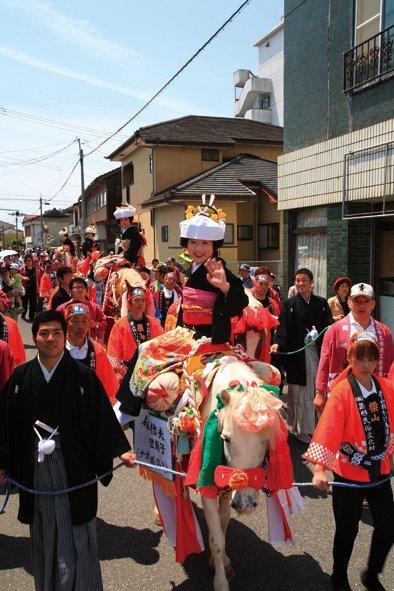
[196,347]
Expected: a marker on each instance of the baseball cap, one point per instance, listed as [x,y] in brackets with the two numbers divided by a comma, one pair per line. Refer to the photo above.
[14,266]
[362,289]
[244,267]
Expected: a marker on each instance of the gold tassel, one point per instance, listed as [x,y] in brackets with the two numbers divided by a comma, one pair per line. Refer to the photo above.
[167,486]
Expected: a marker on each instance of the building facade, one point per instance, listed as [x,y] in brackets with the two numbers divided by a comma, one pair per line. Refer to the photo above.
[261,97]
[336,177]
[52,222]
[102,196]
[160,157]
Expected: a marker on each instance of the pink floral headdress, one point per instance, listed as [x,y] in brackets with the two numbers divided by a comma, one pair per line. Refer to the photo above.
[256,410]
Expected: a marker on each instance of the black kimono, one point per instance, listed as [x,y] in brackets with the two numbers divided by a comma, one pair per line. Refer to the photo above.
[135,242]
[90,436]
[225,308]
[86,246]
[296,318]
[61,296]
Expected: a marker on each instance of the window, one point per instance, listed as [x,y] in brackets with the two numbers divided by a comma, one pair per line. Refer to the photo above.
[96,202]
[268,236]
[371,17]
[27,231]
[266,102]
[211,155]
[128,175]
[151,163]
[229,234]
[310,243]
[245,232]
[164,233]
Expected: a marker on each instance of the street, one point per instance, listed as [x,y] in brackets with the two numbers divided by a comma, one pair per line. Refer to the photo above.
[135,555]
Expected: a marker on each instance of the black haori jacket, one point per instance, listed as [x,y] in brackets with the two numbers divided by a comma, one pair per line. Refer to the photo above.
[224,308]
[90,435]
[295,318]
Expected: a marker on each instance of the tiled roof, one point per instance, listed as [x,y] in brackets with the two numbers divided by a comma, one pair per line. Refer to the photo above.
[228,179]
[209,131]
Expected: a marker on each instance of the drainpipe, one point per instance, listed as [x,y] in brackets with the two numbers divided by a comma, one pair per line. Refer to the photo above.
[154,210]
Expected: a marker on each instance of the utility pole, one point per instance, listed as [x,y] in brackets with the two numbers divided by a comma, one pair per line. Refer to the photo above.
[41,224]
[83,204]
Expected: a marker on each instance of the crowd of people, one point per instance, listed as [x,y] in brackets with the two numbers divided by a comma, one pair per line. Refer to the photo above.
[334,357]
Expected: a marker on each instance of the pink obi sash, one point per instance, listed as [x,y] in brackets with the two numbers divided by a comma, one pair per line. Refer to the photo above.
[197,306]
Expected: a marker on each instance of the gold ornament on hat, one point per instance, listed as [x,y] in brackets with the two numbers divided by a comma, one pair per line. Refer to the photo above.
[215,214]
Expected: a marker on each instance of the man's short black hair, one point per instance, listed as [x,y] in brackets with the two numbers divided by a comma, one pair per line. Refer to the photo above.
[303,271]
[60,273]
[163,269]
[79,280]
[48,316]
[27,257]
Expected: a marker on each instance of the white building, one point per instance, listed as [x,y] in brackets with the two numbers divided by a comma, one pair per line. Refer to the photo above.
[261,97]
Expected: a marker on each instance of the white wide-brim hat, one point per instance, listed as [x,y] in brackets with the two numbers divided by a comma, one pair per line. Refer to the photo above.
[124,211]
[201,227]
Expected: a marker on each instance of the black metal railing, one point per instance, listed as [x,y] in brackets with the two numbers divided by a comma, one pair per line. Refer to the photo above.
[369,61]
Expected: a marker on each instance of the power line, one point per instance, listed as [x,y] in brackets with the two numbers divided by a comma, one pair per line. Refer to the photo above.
[181,69]
[294,9]
[65,182]
[32,149]
[56,123]
[39,158]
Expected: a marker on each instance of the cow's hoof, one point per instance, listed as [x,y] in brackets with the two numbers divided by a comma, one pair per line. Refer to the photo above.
[229,572]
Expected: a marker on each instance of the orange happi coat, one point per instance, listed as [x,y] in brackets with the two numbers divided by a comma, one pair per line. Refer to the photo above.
[15,342]
[341,423]
[122,345]
[105,372]
[7,364]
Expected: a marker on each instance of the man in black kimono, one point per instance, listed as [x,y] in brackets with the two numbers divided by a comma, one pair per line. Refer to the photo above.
[58,430]
[63,292]
[298,316]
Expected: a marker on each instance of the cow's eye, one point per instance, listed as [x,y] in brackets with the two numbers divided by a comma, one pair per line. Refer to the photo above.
[225,438]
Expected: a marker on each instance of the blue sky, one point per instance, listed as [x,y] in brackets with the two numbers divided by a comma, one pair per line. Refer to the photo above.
[93,64]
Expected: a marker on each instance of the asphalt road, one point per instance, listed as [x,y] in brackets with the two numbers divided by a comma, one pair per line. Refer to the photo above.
[134,552]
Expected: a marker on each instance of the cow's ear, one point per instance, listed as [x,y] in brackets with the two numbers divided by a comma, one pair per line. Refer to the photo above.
[128,286]
[225,396]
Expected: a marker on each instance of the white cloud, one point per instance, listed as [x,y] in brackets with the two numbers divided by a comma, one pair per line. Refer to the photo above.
[75,31]
[24,58]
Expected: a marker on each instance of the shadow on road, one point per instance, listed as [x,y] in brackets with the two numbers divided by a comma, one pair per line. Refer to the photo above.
[15,553]
[116,541]
[257,565]
[301,471]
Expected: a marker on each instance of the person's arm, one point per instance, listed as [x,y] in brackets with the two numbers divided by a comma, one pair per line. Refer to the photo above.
[323,371]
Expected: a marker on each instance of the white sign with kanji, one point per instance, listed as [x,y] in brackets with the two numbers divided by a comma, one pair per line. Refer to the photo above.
[152,441]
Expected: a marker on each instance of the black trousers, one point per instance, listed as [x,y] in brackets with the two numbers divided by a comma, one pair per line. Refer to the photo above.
[30,300]
[347,505]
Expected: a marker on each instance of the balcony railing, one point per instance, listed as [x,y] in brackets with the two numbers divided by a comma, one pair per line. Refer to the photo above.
[369,61]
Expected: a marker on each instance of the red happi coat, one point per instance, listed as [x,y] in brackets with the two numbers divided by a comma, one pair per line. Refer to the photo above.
[334,350]
[7,364]
[341,423]
[15,342]
[105,372]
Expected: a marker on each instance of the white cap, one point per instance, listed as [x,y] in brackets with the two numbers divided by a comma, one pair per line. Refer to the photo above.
[201,226]
[124,211]
[14,266]
[90,230]
[362,289]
